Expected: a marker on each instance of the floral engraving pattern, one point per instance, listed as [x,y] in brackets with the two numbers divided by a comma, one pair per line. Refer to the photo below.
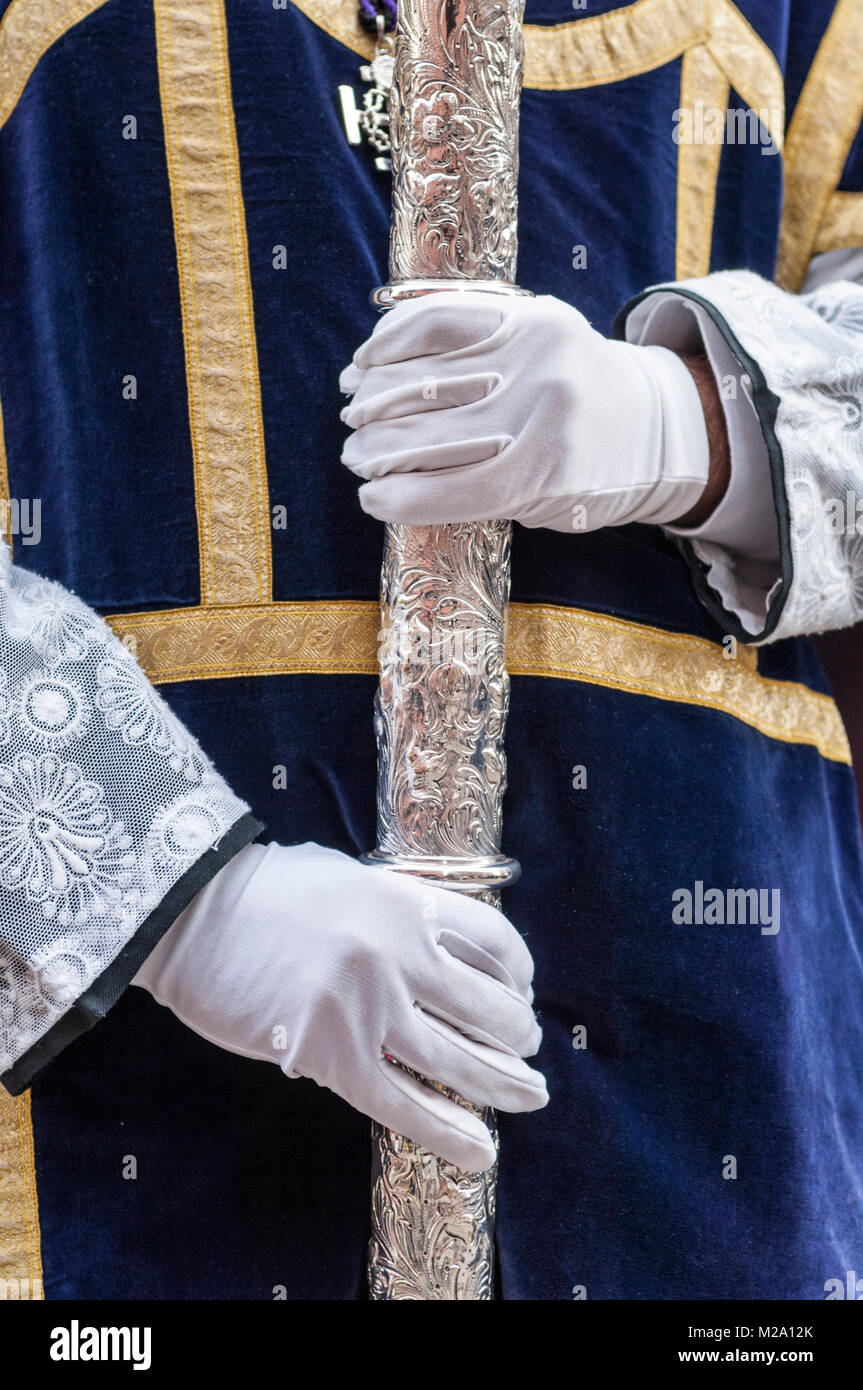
[442,702]
[454,127]
[440,1247]
[441,706]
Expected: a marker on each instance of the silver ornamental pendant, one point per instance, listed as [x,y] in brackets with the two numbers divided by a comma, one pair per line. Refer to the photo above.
[375,115]
[373,120]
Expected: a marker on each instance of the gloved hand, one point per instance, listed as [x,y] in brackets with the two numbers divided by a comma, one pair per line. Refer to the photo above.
[304,957]
[471,407]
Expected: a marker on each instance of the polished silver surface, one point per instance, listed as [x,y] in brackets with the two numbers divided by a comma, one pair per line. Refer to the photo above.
[387,296]
[432,1224]
[442,703]
[454,130]
[481,875]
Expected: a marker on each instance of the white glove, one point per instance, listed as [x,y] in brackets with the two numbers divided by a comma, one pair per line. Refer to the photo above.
[469,407]
[304,957]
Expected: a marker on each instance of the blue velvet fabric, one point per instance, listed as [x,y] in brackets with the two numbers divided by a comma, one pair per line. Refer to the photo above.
[703,1041]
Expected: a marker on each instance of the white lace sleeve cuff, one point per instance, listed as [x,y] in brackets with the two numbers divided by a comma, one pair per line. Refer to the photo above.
[111,819]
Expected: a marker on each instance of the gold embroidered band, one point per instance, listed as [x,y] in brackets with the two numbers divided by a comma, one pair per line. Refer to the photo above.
[749,65]
[610,47]
[825,121]
[20,1252]
[581,53]
[842,223]
[28,30]
[218,325]
[702,80]
[332,638]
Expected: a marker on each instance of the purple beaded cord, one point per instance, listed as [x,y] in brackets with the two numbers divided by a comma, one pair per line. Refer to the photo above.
[370,9]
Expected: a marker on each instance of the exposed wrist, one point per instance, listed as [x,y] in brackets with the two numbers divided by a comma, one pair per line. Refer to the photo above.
[717,439]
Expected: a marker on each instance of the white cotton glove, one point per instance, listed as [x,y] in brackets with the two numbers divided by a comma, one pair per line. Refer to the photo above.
[469,407]
[304,957]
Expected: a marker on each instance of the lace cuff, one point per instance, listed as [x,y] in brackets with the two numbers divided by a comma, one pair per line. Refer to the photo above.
[111,819]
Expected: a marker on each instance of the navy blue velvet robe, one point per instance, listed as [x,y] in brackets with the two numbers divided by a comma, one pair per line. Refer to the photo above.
[703,1041]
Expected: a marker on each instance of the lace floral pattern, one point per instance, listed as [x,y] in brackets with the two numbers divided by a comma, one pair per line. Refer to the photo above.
[59,844]
[105,801]
[810,350]
[132,707]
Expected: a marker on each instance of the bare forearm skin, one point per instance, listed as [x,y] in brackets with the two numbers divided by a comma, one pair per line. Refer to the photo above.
[717,437]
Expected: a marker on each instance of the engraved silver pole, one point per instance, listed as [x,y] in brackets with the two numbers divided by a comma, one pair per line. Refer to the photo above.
[441,706]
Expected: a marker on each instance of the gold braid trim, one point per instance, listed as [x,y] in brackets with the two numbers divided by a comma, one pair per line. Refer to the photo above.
[825,121]
[340,638]
[702,79]
[224,391]
[842,223]
[27,31]
[20,1252]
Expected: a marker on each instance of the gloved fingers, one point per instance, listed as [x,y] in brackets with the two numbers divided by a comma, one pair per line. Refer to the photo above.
[482,937]
[478,1072]
[435,324]
[388,393]
[480,1007]
[362,382]
[391,446]
[431,1119]
[350,379]
[458,491]
[444,325]
[469,953]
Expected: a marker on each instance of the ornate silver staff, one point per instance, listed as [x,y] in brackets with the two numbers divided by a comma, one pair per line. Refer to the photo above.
[441,706]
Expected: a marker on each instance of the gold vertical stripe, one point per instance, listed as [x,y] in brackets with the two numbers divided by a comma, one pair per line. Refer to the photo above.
[27,31]
[339,637]
[216,299]
[825,121]
[20,1245]
[749,65]
[702,80]
[842,223]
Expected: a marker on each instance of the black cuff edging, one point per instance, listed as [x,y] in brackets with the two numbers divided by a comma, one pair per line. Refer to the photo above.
[104,992]
[766,405]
